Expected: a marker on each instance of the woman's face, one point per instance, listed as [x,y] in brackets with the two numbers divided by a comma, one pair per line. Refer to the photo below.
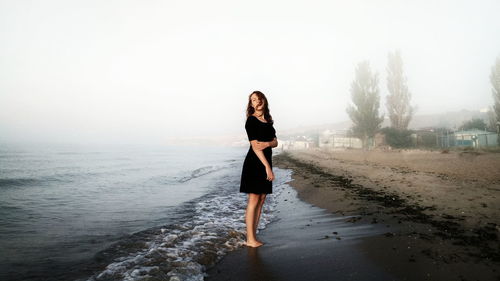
[257,103]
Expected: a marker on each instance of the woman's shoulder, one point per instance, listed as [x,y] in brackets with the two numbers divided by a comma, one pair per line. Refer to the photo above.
[251,118]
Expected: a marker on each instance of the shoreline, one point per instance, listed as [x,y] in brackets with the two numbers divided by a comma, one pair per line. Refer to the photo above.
[413,241]
[428,240]
[303,242]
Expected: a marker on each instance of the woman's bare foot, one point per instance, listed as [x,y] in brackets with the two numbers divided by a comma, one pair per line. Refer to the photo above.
[254,244]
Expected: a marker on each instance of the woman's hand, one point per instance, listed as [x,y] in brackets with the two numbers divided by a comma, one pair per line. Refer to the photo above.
[261,145]
[273,143]
[270,174]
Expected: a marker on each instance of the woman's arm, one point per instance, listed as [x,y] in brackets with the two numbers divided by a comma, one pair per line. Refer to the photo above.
[261,145]
[257,148]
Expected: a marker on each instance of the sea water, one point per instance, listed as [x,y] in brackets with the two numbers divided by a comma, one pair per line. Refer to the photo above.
[121,212]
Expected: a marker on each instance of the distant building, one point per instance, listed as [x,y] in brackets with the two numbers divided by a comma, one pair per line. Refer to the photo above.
[469,138]
[338,139]
[475,138]
[299,142]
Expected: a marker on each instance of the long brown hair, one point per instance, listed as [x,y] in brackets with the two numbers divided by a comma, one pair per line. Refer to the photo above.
[262,98]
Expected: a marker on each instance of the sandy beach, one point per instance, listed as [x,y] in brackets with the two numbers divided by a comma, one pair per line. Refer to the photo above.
[463,187]
[431,215]
[304,242]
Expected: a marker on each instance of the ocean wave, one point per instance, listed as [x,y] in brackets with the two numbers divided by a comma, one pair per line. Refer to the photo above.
[186,176]
[10,182]
[183,251]
[62,177]
[41,180]
[27,181]
[202,172]
[199,172]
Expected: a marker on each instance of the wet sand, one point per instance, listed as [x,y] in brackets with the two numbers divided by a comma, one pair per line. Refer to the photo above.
[395,233]
[303,243]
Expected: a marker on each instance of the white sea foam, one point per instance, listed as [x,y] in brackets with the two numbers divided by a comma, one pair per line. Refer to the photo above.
[183,251]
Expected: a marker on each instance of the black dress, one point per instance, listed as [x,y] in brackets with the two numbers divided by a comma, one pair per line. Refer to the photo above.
[253,174]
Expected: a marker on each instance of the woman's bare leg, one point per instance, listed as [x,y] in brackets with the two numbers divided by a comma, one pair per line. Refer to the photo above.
[250,216]
[262,199]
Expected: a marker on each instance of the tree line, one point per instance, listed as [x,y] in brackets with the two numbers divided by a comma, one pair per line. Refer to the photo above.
[365,96]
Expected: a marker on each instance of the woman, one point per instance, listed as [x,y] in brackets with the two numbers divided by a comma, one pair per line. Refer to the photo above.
[257,174]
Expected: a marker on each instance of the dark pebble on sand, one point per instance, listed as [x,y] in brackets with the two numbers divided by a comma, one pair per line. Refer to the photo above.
[353,219]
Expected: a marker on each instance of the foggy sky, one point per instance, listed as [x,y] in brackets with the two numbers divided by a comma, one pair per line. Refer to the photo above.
[141,71]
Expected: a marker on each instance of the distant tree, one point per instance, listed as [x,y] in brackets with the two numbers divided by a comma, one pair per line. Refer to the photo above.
[495,82]
[427,139]
[397,138]
[398,101]
[492,120]
[365,103]
[474,123]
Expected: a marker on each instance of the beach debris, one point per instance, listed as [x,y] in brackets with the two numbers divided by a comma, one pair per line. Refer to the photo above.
[328,237]
[353,219]
[325,237]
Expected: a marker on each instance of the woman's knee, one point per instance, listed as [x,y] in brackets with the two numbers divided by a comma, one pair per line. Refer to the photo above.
[262,197]
[253,199]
